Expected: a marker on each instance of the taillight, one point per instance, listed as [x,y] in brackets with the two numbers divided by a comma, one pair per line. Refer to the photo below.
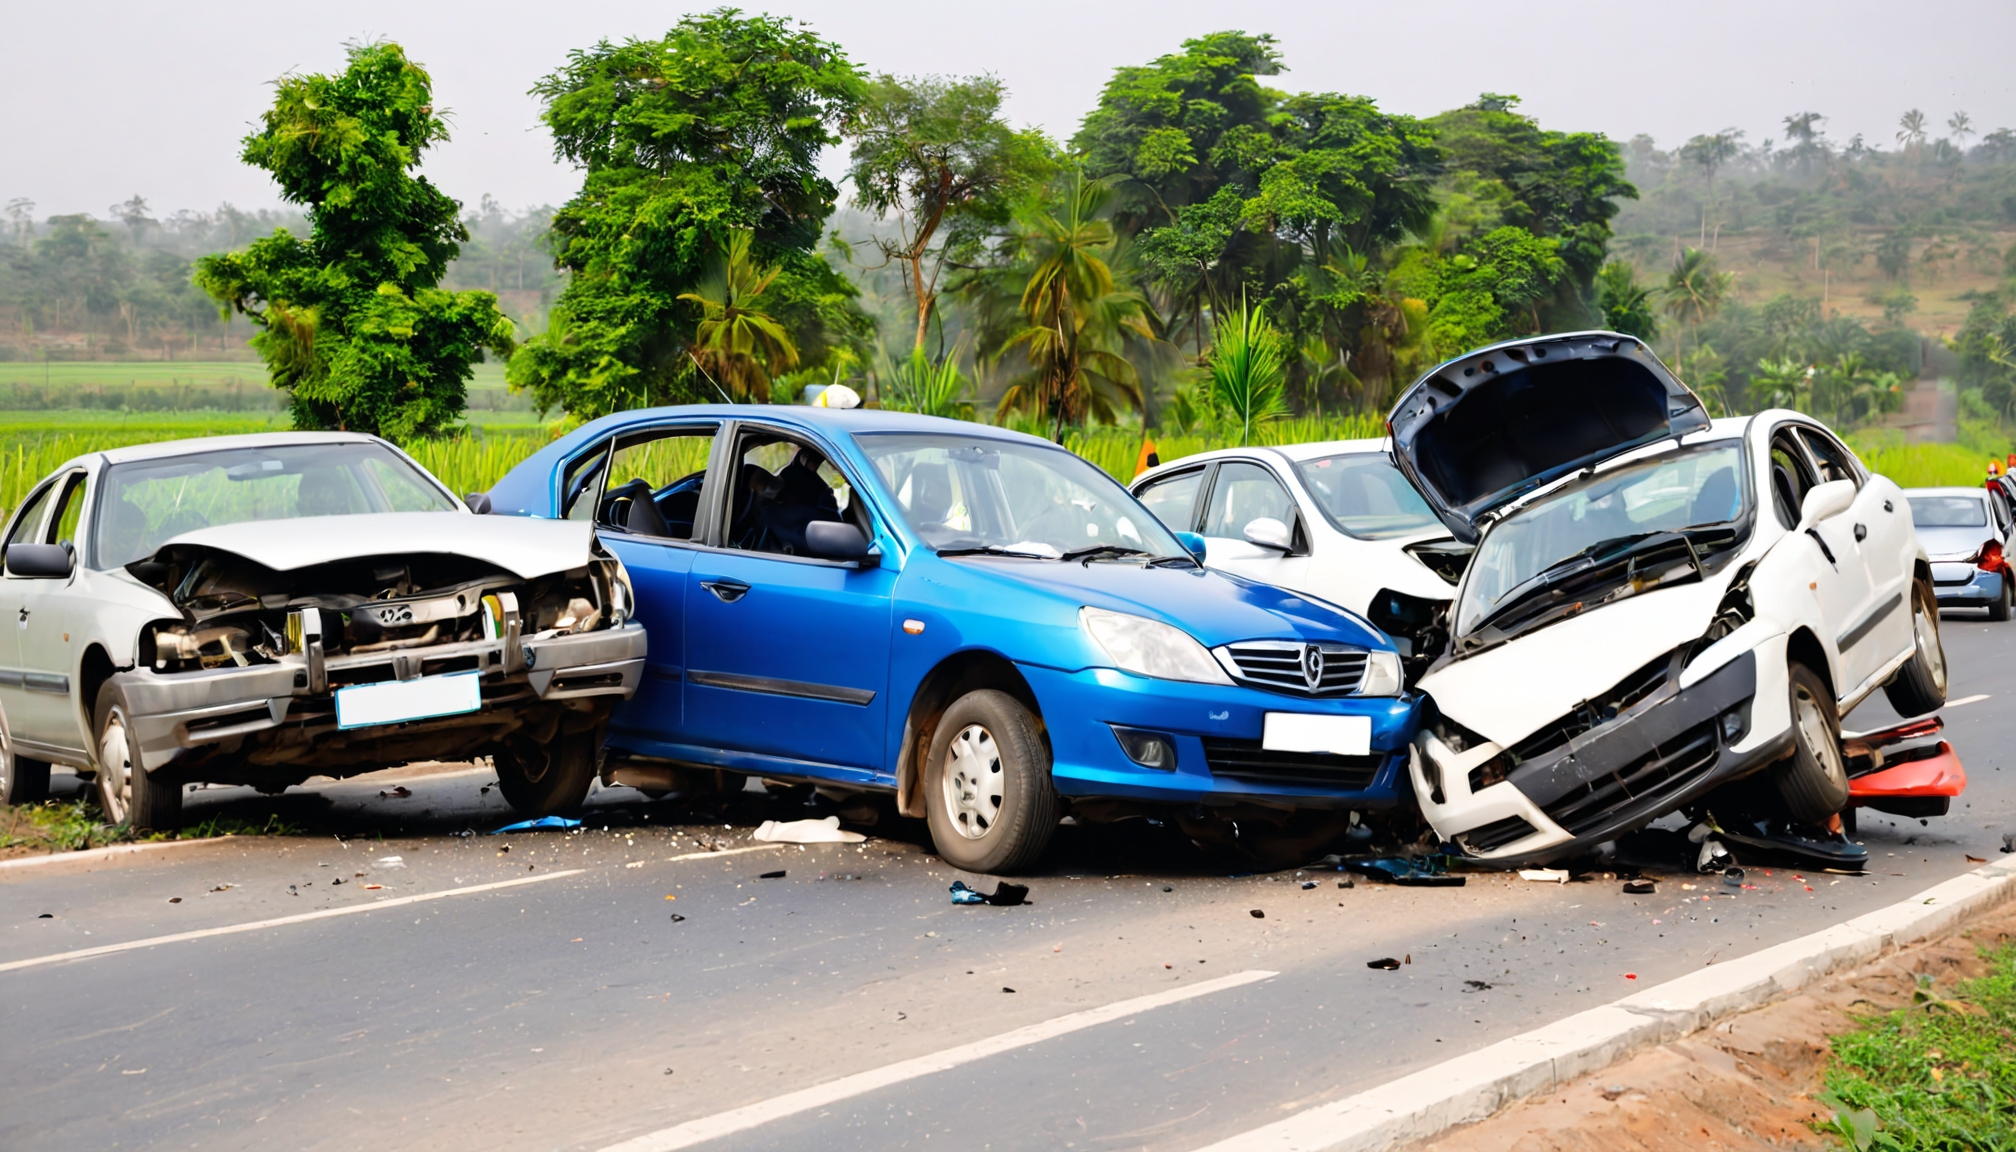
[1991,558]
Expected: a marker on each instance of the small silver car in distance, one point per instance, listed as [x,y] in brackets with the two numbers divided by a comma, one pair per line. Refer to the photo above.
[261,609]
[1966,532]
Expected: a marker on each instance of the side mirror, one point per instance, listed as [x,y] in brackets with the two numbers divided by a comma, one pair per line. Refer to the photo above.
[1268,532]
[478,502]
[1192,543]
[39,561]
[835,540]
[1825,501]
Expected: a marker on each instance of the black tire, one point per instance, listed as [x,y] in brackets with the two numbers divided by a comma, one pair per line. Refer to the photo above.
[549,779]
[127,793]
[1813,781]
[22,780]
[1920,685]
[1999,610]
[987,790]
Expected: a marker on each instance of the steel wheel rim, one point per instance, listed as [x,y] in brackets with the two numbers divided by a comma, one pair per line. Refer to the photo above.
[1930,655]
[971,782]
[115,770]
[1817,734]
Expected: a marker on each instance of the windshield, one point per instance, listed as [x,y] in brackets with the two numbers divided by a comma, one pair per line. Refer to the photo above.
[1948,512]
[1364,495]
[1691,488]
[147,502]
[958,492]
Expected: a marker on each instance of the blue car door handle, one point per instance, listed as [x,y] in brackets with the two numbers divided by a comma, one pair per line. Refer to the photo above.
[726,591]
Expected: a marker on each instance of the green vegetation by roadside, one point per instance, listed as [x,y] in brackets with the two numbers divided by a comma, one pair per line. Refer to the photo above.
[74,825]
[1939,1074]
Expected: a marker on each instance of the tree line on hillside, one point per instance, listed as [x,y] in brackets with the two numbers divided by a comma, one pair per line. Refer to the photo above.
[1205,250]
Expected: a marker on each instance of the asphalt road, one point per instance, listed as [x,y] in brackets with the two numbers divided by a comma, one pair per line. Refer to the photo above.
[574,1008]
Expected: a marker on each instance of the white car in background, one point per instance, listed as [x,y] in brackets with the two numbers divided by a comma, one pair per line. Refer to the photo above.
[262,609]
[1334,520]
[1660,605]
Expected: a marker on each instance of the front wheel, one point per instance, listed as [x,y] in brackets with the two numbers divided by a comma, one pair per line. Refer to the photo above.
[126,792]
[1813,781]
[547,779]
[987,785]
[1920,685]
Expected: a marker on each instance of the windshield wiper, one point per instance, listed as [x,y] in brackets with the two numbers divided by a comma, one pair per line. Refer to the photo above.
[1599,557]
[1172,562]
[991,550]
[1099,551]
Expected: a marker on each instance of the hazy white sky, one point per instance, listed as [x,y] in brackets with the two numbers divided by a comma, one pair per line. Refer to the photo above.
[100,99]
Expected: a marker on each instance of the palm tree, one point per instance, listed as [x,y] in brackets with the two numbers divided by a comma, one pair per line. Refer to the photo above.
[1694,290]
[1962,126]
[1781,383]
[916,384]
[1710,153]
[735,345]
[1075,315]
[1911,130]
[1249,369]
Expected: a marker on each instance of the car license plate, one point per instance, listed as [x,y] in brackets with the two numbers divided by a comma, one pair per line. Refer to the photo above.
[397,701]
[1301,732]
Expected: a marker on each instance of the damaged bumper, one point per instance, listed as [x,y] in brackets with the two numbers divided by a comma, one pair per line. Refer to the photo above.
[270,711]
[1668,742]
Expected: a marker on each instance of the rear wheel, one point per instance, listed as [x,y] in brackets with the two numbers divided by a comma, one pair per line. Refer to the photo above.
[1920,685]
[126,792]
[547,779]
[1999,610]
[22,781]
[1813,781]
[987,785]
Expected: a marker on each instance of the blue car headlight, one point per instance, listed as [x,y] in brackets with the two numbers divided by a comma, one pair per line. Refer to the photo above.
[1150,648]
[1382,675]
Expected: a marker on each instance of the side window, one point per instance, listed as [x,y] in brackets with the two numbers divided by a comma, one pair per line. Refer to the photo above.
[1242,494]
[581,484]
[780,486]
[1173,499]
[63,528]
[655,481]
[30,520]
[1790,478]
[1836,462]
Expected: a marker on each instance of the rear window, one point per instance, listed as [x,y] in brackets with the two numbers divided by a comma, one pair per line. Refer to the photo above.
[1948,512]
[1362,494]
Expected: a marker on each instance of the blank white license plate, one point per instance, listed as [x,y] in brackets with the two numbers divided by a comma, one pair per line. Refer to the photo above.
[397,701]
[1299,732]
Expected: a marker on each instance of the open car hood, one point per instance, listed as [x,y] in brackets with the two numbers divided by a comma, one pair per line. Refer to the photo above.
[1484,429]
[522,546]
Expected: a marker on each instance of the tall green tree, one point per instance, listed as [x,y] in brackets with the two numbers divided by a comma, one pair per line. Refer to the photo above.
[1695,290]
[1627,305]
[352,323]
[714,129]
[1248,364]
[736,344]
[936,154]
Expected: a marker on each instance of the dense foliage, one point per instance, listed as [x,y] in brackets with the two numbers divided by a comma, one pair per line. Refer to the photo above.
[352,323]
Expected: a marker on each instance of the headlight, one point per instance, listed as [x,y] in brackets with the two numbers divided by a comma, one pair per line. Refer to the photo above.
[1382,675]
[1150,648]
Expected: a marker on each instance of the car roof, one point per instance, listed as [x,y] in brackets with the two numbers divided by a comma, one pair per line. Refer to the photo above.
[849,421]
[167,448]
[1977,493]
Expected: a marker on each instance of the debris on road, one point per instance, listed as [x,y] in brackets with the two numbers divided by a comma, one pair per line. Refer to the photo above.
[676,917]
[391,862]
[1259,915]
[1476,986]
[1732,877]
[1005,895]
[396,792]
[1005,988]
[1544,875]
[826,831]
[1308,884]
[1406,872]
[1640,888]
[961,894]
[534,825]
[1384,963]
[777,875]
[174,899]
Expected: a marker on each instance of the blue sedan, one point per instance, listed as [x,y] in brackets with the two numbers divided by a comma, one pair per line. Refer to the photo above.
[976,620]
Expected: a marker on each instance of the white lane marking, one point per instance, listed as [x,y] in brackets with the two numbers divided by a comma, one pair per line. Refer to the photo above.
[711,855]
[805,1099]
[104,853]
[1967,700]
[277,921]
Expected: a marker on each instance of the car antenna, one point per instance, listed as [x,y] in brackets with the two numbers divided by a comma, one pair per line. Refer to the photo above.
[725,398]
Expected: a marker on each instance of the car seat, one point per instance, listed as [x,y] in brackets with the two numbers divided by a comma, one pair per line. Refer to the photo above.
[1716,501]
[930,495]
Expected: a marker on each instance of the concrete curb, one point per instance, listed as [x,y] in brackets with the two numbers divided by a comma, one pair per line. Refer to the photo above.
[1425,1104]
[91,854]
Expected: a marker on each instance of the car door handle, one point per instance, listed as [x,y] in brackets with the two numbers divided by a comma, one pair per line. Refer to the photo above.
[726,591]
[1861,533]
[1888,506]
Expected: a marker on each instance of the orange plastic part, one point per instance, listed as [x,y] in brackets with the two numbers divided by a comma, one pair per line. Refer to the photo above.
[1939,775]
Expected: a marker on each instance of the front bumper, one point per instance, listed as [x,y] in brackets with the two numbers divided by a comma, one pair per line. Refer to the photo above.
[1658,754]
[1216,731]
[170,715]
[1965,586]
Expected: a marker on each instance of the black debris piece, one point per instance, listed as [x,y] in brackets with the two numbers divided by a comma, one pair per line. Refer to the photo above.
[338,880]
[1733,877]
[396,792]
[1005,988]
[1308,884]
[1384,964]
[2009,842]
[1640,888]
[1259,915]
[46,916]
[1779,841]
[1346,884]
[1476,986]
[777,875]
[1408,873]
[1008,895]
[676,918]
[2005,848]
[174,899]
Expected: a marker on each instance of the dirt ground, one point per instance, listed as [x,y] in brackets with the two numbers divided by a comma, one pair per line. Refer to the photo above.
[1743,1084]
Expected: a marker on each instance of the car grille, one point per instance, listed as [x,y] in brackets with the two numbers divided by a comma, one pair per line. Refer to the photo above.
[1589,714]
[1247,760]
[1279,665]
[1497,834]
[1665,770]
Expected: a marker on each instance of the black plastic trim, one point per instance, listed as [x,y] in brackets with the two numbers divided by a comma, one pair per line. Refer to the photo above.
[768,686]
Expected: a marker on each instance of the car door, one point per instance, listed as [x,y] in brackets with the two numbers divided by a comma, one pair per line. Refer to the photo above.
[1879,523]
[1840,586]
[787,655]
[1242,491]
[662,467]
[25,529]
[49,614]
[1173,498]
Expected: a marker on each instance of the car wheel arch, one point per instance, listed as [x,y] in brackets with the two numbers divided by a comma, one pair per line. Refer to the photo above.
[1804,647]
[952,677]
[92,672]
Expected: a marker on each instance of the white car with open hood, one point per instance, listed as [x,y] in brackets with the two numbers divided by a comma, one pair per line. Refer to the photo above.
[1663,612]
[261,609]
